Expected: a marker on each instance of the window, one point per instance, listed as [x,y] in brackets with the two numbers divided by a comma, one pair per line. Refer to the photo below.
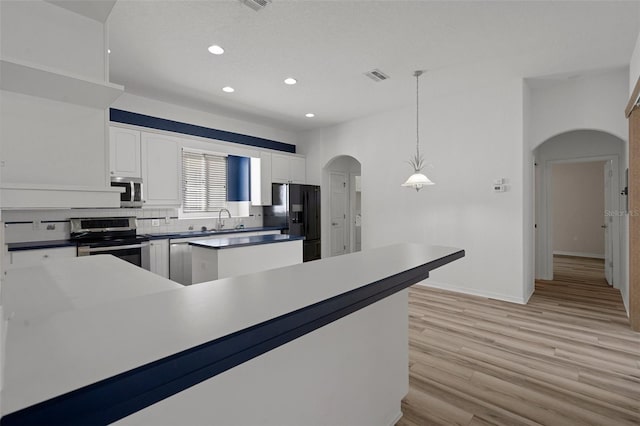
[204,182]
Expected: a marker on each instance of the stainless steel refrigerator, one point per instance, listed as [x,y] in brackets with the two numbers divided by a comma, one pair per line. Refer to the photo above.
[298,208]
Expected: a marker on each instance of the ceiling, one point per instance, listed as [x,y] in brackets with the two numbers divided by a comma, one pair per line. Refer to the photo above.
[159,50]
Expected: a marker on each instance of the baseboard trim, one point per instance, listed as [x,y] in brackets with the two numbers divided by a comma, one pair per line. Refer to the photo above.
[528,296]
[397,418]
[578,254]
[474,292]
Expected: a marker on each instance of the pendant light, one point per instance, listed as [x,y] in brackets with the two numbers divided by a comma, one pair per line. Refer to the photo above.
[417,180]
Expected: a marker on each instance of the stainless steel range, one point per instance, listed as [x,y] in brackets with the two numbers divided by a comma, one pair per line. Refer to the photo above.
[111,235]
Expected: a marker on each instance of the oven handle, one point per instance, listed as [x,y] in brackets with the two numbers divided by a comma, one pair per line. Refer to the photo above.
[84,250]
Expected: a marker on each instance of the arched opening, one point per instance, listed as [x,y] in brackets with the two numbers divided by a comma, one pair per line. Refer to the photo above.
[578,205]
[342,206]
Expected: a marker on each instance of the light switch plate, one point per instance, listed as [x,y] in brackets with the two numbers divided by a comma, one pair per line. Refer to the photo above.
[155,222]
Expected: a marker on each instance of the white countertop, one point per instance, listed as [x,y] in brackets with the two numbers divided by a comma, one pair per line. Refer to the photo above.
[76,347]
[32,294]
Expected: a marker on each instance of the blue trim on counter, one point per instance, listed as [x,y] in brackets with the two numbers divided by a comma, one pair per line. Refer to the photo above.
[227,243]
[197,234]
[119,396]
[127,117]
[36,245]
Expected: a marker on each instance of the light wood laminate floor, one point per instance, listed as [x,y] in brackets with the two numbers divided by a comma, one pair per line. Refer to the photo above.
[568,357]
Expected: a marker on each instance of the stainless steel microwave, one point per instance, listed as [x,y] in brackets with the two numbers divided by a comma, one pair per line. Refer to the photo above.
[132,195]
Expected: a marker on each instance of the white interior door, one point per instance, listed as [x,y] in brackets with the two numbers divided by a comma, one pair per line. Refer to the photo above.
[608,222]
[338,213]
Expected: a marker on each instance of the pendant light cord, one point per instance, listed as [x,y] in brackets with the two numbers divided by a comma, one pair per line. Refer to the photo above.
[417,74]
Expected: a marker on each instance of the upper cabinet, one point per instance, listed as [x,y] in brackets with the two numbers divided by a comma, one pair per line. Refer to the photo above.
[160,170]
[288,169]
[124,152]
[261,179]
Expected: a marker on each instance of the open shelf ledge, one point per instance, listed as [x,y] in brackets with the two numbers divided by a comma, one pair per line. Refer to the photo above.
[36,80]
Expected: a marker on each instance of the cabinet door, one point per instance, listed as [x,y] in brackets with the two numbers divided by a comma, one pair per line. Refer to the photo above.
[124,150]
[280,172]
[159,257]
[160,170]
[261,180]
[24,258]
[298,169]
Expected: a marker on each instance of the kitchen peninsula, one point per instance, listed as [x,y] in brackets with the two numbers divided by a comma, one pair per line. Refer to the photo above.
[228,257]
[323,342]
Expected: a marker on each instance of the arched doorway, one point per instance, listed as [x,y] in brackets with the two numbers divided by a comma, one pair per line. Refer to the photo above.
[577,152]
[341,211]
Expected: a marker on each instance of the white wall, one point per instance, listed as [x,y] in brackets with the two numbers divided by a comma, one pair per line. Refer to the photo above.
[634,66]
[592,101]
[470,139]
[578,208]
[528,202]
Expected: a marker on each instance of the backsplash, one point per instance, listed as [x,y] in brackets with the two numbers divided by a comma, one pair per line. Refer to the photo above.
[46,225]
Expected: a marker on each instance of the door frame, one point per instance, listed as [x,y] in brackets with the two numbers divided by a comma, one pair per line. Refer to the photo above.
[546,218]
[346,231]
[352,211]
[632,113]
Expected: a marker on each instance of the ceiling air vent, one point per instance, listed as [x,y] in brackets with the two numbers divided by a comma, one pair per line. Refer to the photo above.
[376,75]
[256,4]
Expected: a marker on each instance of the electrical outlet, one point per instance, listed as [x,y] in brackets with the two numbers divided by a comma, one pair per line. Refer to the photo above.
[155,222]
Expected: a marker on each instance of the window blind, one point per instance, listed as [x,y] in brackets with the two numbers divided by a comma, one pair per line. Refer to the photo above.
[204,182]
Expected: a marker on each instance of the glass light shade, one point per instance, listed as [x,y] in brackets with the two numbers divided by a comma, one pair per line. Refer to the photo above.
[417,181]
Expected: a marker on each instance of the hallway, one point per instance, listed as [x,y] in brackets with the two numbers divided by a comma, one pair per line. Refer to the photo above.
[579,284]
[568,357]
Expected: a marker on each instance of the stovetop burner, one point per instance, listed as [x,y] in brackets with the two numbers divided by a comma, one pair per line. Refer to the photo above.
[107,230]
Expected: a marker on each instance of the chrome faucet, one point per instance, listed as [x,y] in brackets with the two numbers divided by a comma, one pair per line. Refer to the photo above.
[220,222]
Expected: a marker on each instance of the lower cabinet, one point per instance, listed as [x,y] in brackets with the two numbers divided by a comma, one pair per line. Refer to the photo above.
[159,257]
[180,266]
[25,258]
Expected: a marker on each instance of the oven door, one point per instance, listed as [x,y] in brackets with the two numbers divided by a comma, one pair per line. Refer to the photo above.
[137,254]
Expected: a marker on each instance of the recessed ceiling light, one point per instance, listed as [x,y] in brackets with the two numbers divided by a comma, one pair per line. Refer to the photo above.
[309,115]
[109,51]
[290,81]
[228,89]
[216,50]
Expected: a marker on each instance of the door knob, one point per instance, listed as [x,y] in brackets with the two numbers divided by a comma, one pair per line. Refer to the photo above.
[603,226]
[334,223]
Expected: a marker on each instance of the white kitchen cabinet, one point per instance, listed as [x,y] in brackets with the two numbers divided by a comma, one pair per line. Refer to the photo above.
[261,180]
[288,169]
[160,170]
[124,152]
[159,257]
[25,258]
[298,170]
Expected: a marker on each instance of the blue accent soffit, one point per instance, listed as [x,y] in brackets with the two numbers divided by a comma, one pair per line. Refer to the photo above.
[127,117]
[114,398]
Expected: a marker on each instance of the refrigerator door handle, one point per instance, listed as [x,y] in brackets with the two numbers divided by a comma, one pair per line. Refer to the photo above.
[305,212]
